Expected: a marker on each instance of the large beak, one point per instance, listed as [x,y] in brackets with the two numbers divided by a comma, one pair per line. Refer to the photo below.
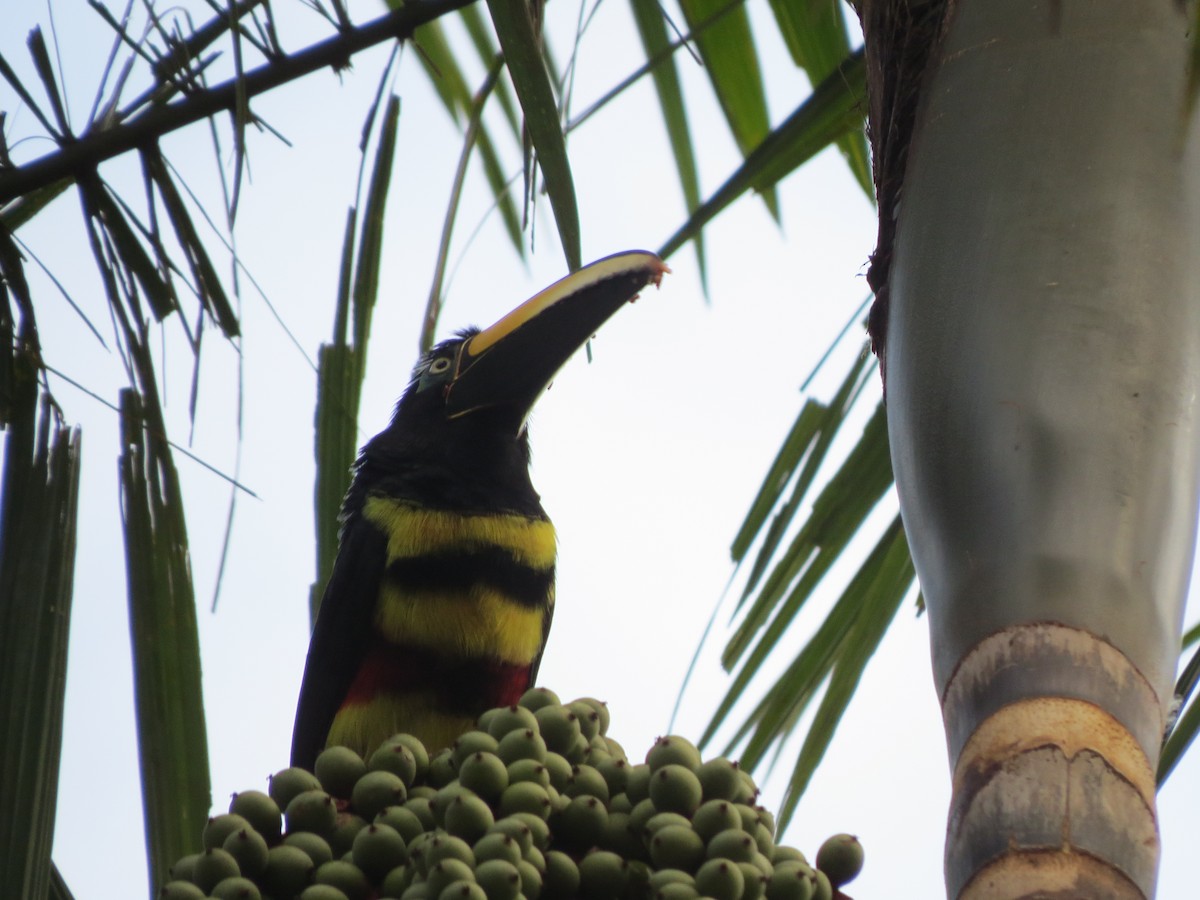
[511,363]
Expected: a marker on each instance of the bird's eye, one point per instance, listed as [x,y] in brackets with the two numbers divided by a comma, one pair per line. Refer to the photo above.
[439,365]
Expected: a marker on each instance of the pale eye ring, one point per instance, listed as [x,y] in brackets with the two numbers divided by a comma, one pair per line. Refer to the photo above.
[439,365]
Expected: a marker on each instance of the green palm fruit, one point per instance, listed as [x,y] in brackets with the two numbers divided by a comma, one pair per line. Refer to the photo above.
[528,770]
[719,779]
[587,781]
[754,881]
[396,757]
[840,858]
[637,783]
[419,751]
[602,875]
[713,816]
[537,697]
[217,828]
[675,788]
[419,807]
[314,845]
[661,877]
[376,791]
[824,889]
[517,829]
[525,796]
[672,749]
[260,811]
[749,817]
[783,854]
[213,866]
[441,770]
[345,830]
[183,868]
[470,743]
[676,890]
[497,845]
[289,871]
[676,847]
[285,784]
[581,824]
[463,890]
[249,848]
[236,888]
[511,718]
[538,830]
[499,879]
[395,882]
[748,792]
[558,726]
[443,846]
[792,882]
[658,820]
[522,743]
[588,717]
[620,838]
[346,877]
[378,849]
[601,710]
[485,774]
[312,810]
[322,892]
[468,817]
[732,843]
[180,890]
[620,803]
[445,871]
[721,879]
[560,881]
[559,770]
[403,819]
[615,772]
[338,768]
[531,879]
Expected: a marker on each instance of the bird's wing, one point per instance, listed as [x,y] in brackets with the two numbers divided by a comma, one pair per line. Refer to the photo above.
[340,637]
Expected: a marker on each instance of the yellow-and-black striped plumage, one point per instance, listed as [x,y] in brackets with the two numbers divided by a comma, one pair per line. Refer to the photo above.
[442,593]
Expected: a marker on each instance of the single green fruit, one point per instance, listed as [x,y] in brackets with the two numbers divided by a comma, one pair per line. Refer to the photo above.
[528,770]
[403,819]
[442,846]
[338,768]
[419,807]
[289,871]
[531,879]
[714,816]
[441,770]
[396,757]
[720,879]
[841,858]
[499,879]
[538,829]
[217,828]
[560,881]
[180,890]
[249,848]
[471,742]
[601,710]
[620,838]
[602,875]
[658,820]
[675,788]
[676,847]
[525,796]
[516,828]
[285,784]
[559,770]
[522,743]
[587,781]
[396,882]
[676,890]
[732,843]
[417,748]
[511,718]
[183,869]
[661,877]
[311,811]
[322,892]
[462,890]
[314,845]
[824,889]
[792,881]
[615,772]
[497,845]
[637,783]
[213,866]
[755,882]
[260,811]
[537,697]
[376,791]
[346,877]
[672,749]
[558,726]
[581,824]
[719,779]
[345,830]
[589,719]
[446,871]
[236,888]
[485,774]
[468,817]
[378,849]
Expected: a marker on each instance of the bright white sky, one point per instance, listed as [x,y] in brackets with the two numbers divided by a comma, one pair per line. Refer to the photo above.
[646,460]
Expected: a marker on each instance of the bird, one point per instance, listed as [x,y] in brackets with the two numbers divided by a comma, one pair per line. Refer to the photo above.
[440,599]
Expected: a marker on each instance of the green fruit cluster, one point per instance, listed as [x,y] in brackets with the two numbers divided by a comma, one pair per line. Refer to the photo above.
[536,803]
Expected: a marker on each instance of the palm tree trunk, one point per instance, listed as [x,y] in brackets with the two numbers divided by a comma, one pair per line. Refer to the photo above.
[1042,369]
